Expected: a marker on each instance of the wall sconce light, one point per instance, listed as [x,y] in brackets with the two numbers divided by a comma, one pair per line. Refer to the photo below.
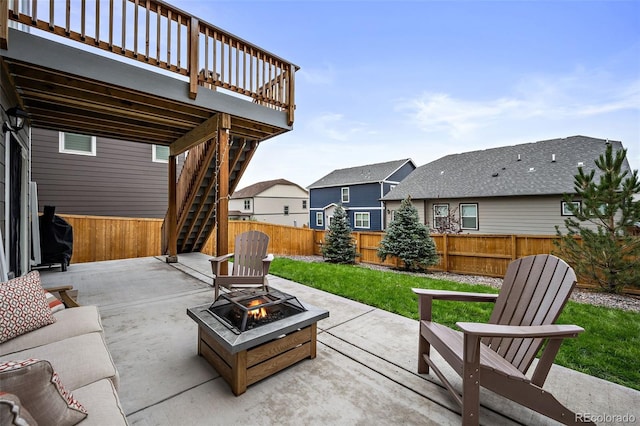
[17,118]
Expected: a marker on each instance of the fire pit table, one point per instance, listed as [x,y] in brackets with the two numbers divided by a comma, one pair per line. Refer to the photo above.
[249,335]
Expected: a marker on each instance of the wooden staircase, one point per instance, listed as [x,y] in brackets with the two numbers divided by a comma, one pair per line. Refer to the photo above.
[198,190]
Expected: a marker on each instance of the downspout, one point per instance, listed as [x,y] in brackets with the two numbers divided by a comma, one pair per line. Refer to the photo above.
[382,215]
[7,193]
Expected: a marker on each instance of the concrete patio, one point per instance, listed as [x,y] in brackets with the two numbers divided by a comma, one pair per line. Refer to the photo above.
[364,373]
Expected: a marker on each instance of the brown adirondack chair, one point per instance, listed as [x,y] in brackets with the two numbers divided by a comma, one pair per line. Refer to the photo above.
[498,354]
[250,263]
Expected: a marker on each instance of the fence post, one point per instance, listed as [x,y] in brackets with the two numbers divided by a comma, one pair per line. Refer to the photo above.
[445,253]
[514,247]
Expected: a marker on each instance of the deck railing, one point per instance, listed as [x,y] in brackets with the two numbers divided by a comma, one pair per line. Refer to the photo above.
[160,35]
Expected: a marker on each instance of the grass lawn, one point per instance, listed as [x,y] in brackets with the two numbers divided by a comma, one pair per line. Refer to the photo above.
[609,348]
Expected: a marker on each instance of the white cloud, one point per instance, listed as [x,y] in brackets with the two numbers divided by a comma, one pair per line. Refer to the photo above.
[335,127]
[572,97]
[317,76]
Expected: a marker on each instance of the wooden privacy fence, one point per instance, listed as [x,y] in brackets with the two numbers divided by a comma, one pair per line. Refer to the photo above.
[99,238]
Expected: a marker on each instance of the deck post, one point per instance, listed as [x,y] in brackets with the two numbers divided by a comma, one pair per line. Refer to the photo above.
[222,209]
[172,217]
[291,101]
[194,27]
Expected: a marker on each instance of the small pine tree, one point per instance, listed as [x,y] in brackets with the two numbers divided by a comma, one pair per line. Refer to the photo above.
[408,239]
[339,246]
[607,255]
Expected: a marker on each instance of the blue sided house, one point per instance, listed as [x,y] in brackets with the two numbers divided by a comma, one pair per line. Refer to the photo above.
[359,190]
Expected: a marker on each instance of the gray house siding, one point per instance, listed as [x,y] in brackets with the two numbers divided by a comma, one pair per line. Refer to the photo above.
[402,172]
[366,195]
[321,197]
[120,180]
[362,198]
[534,215]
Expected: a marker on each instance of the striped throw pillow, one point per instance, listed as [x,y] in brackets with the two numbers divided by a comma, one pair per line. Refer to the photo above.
[54,303]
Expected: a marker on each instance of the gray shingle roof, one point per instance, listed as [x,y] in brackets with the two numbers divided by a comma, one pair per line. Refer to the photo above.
[258,188]
[497,172]
[370,173]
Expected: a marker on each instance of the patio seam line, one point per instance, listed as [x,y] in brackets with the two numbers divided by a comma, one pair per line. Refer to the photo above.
[345,321]
[172,396]
[152,301]
[426,377]
[182,267]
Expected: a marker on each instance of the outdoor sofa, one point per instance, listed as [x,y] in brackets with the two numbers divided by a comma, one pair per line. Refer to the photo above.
[55,367]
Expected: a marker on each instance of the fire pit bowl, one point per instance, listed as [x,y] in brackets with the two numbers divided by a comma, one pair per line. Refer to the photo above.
[246,309]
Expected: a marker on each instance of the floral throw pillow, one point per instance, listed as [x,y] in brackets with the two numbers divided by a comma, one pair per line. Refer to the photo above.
[23,306]
[41,392]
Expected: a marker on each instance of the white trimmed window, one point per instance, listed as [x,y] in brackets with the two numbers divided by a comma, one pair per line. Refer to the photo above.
[304,204]
[469,216]
[344,195]
[74,143]
[440,216]
[566,211]
[319,219]
[362,220]
[286,210]
[247,204]
[160,154]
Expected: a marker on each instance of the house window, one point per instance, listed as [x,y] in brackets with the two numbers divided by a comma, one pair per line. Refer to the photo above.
[304,204]
[468,216]
[247,204]
[160,154]
[566,211]
[319,219]
[345,195]
[73,143]
[362,220]
[286,210]
[440,216]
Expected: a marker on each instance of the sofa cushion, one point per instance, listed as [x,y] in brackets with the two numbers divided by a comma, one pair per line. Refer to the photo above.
[39,388]
[23,306]
[54,303]
[101,401]
[12,412]
[69,323]
[79,360]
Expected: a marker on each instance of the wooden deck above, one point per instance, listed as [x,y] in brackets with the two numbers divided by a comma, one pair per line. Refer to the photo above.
[145,71]
[67,89]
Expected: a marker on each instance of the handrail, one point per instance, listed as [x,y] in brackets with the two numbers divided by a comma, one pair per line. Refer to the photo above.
[160,35]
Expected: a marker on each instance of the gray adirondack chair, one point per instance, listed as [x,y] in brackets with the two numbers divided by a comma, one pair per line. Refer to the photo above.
[498,354]
[250,263]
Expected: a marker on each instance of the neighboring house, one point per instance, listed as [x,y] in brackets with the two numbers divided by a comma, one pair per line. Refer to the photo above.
[358,190]
[274,201]
[508,190]
[81,174]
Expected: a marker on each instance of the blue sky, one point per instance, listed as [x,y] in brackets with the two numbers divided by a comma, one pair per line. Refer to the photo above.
[385,80]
